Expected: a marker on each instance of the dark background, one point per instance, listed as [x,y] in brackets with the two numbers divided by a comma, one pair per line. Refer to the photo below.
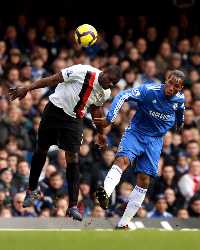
[161,12]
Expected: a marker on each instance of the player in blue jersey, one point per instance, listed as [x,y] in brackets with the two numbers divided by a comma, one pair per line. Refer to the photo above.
[160,107]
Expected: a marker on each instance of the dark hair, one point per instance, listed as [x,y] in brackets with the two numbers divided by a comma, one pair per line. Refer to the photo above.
[178,73]
[116,71]
[55,174]
[193,141]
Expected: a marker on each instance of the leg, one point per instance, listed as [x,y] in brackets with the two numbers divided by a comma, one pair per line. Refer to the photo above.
[128,149]
[73,177]
[114,175]
[37,163]
[112,179]
[135,199]
[73,180]
[146,166]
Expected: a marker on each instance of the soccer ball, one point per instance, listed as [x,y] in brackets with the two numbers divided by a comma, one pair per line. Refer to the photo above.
[85,35]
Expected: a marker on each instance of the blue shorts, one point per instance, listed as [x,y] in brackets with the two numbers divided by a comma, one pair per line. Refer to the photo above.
[145,150]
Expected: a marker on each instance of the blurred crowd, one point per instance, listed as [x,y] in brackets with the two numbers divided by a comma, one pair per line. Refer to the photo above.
[29,51]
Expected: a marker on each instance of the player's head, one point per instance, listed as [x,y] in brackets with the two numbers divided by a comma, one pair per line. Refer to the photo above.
[109,76]
[174,82]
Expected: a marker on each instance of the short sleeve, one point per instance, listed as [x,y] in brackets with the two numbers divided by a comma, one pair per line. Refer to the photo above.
[104,98]
[71,72]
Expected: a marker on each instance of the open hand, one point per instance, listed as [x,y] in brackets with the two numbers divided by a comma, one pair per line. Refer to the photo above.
[17,92]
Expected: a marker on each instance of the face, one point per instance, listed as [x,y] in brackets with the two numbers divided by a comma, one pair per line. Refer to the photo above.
[23,168]
[109,157]
[173,85]
[7,177]
[125,189]
[182,161]
[161,205]
[107,79]
[13,75]
[182,214]
[85,189]
[62,204]
[188,96]
[196,206]
[193,149]
[196,108]
[168,173]
[98,212]
[189,116]
[150,69]
[170,195]
[195,168]
[18,201]
[56,182]
[196,89]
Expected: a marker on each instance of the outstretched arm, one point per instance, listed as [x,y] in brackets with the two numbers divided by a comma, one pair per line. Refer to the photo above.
[21,91]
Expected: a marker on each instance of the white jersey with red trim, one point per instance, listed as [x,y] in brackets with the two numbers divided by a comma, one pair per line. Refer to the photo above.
[79,90]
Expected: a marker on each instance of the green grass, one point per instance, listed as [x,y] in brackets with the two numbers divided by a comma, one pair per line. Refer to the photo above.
[104,240]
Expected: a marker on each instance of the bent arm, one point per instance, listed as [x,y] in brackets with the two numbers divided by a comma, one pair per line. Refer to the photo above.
[98,117]
[123,96]
[47,81]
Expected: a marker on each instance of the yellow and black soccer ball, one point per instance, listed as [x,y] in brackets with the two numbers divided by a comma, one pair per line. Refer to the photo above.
[86,35]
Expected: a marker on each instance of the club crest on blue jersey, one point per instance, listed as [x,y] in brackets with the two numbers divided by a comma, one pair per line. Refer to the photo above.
[175,106]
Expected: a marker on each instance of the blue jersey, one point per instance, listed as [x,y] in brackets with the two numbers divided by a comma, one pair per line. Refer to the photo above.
[156,113]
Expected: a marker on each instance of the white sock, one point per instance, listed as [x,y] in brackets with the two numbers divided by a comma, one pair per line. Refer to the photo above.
[135,201]
[112,179]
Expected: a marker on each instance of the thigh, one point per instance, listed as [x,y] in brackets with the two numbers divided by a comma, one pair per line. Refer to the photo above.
[130,146]
[69,139]
[46,137]
[148,162]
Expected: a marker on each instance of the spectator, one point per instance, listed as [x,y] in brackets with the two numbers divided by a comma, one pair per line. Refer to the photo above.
[160,210]
[56,187]
[182,213]
[18,210]
[145,53]
[98,212]
[166,180]
[189,183]
[21,177]
[194,206]
[5,213]
[149,74]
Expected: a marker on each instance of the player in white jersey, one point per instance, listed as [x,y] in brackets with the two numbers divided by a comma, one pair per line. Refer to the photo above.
[78,87]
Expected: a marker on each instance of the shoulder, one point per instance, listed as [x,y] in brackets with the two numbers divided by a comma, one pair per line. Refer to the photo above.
[153,86]
[88,67]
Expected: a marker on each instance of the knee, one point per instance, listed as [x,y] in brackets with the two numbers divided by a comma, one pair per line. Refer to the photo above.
[122,162]
[71,157]
[143,180]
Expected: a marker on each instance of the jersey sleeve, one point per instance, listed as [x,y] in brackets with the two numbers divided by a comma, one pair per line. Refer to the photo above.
[71,72]
[180,115]
[104,98]
[135,94]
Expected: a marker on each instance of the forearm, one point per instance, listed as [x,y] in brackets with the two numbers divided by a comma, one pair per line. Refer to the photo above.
[47,82]
[98,113]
